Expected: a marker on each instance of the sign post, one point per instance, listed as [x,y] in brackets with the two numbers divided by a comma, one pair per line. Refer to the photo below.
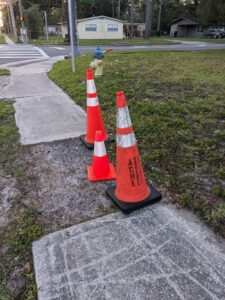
[72,21]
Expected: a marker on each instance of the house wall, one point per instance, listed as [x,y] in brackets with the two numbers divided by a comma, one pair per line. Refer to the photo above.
[187,31]
[101,29]
[173,29]
[183,29]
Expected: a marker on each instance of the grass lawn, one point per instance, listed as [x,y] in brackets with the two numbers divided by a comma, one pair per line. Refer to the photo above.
[176,101]
[206,40]
[4,72]
[2,39]
[19,233]
[58,40]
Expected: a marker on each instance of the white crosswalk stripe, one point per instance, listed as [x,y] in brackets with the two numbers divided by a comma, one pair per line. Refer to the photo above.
[21,51]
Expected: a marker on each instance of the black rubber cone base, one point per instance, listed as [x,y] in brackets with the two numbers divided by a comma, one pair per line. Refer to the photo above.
[91,146]
[154,197]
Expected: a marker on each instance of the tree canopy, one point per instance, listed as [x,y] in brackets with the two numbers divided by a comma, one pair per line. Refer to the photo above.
[207,12]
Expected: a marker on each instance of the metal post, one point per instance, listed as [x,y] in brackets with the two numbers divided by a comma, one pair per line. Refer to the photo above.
[75,38]
[24,31]
[13,20]
[46,24]
[71,21]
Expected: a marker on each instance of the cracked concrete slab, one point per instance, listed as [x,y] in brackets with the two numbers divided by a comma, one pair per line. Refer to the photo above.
[154,253]
[29,85]
[48,118]
[4,81]
[44,113]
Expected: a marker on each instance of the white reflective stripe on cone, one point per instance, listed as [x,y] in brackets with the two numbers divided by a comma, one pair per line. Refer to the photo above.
[123,118]
[91,89]
[92,101]
[126,140]
[99,149]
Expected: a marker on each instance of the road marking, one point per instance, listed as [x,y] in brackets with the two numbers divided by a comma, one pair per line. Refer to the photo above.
[59,48]
[21,52]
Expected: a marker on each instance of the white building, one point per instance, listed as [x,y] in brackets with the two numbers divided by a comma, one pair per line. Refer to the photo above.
[100,27]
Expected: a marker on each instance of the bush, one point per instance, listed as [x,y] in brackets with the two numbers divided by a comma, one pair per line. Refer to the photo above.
[34,20]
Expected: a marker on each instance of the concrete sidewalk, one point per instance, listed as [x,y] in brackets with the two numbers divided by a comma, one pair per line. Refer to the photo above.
[156,253]
[44,112]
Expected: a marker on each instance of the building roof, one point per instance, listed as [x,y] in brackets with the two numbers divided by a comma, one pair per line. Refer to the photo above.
[99,17]
[189,21]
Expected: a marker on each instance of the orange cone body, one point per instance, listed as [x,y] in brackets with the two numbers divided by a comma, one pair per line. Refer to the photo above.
[94,116]
[131,185]
[101,169]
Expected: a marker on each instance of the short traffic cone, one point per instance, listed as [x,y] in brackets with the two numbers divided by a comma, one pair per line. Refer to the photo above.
[101,169]
[94,116]
[131,191]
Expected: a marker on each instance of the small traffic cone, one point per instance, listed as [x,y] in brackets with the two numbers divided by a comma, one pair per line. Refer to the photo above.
[94,116]
[101,169]
[131,191]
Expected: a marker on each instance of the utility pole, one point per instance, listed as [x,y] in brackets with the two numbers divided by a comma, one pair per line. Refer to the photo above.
[118,9]
[159,17]
[12,17]
[46,24]
[9,19]
[148,19]
[23,31]
[132,18]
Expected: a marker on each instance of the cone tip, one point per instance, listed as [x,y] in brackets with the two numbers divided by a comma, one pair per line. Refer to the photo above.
[89,74]
[98,136]
[121,100]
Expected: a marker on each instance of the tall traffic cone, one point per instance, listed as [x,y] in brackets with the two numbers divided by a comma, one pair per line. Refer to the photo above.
[94,116]
[101,169]
[131,191]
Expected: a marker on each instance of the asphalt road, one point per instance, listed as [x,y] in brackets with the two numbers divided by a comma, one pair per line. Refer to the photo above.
[184,46]
[15,53]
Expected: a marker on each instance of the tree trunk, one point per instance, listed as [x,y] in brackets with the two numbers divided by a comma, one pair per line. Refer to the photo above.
[148,19]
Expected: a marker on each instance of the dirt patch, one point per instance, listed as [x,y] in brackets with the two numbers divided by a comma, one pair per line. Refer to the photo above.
[59,186]
[8,195]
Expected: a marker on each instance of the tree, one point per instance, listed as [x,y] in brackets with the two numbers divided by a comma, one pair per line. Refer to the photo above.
[148,19]
[211,12]
[34,21]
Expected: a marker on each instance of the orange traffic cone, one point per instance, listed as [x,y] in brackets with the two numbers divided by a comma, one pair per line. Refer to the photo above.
[131,191]
[101,168]
[94,116]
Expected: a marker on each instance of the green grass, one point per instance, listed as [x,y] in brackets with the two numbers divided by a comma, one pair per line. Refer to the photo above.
[2,39]
[52,40]
[206,40]
[59,40]
[18,235]
[176,101]
[4,72]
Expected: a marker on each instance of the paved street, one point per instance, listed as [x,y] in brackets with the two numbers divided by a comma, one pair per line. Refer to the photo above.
[12,53]
[188,46]
[15,53]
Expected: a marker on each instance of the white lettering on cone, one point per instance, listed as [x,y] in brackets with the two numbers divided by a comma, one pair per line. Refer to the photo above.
[99,149]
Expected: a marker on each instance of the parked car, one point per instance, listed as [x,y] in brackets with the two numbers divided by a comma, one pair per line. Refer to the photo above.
[214,33]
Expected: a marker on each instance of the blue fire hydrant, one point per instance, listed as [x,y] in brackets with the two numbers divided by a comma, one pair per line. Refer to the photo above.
[97,64]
